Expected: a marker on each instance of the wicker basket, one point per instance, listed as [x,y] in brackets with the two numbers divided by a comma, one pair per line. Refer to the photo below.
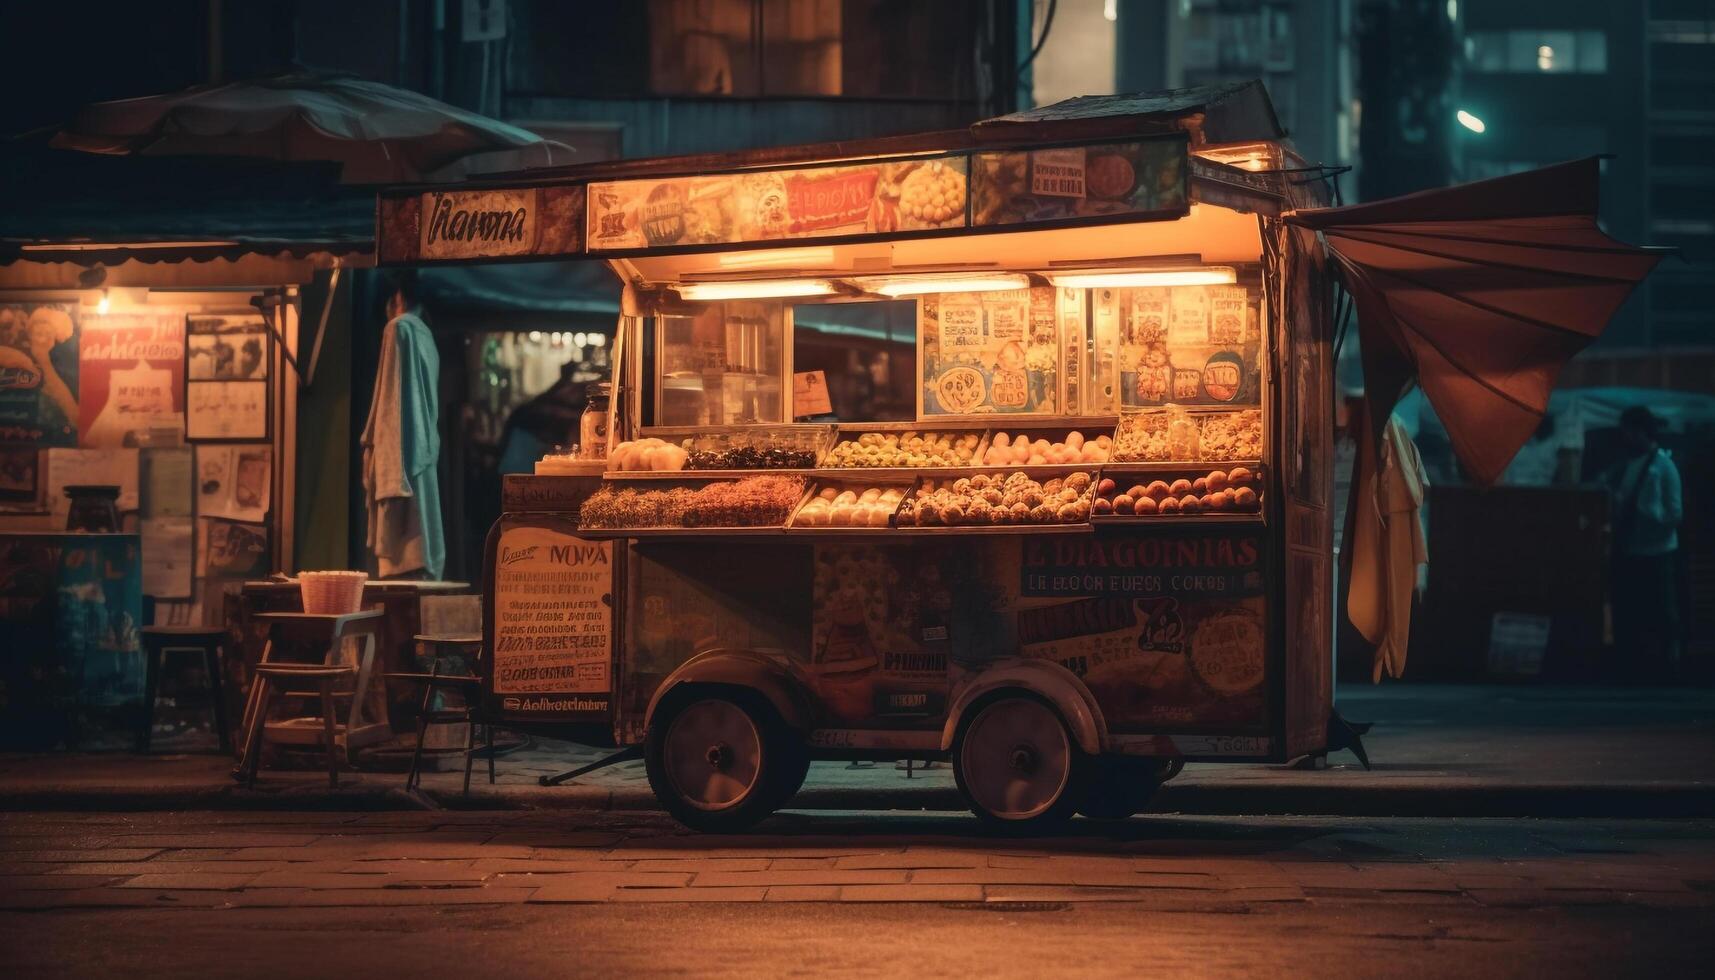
[332,593]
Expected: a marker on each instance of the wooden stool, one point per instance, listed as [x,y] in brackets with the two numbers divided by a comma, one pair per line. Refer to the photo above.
[467,683]
[326,633]
[157,640]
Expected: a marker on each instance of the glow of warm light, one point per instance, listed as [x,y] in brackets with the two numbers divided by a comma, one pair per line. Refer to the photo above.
[1545,58]
[754,289]
[1470,122]
[535,336]
[778,258]
[104,304]
[1209,275]
[598,340]
[918,285]
[1111,9]
[580,340]
[1452,9]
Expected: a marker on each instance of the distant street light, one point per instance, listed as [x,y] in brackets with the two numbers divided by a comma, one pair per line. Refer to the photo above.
[1471,122]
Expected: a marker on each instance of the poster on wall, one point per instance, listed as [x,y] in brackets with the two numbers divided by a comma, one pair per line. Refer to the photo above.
[1186,345]
[20,474]
[226,410]
[231,548]
[233,481]
[993,353]
[553,620]
[131,369]
[169,556]
[39,373]
[227,360]
[804,202]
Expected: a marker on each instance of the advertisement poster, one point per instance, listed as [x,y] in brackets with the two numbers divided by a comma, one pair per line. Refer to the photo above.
[233,482]
[1167,630]
[880,637]
[131,372]
[100,609]
[553,620]
[1187,345]
[990,353]
[38,373]
[807,202]
[1021,186]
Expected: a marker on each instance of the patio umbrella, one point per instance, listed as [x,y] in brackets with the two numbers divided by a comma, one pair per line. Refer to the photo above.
[1482,292]
[377,133]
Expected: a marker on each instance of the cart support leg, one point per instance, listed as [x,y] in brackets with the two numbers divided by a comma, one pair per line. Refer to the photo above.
[623,755]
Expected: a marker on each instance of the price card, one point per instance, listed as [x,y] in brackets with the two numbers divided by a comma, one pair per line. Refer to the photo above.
[810,394]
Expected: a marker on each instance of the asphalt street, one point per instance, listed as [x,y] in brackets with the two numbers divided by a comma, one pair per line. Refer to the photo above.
[831,893]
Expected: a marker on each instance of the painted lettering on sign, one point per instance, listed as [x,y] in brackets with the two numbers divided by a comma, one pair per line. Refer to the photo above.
[475,224]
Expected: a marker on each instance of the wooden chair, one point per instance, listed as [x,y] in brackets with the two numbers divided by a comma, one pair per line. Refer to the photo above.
[467,684]
[323,679]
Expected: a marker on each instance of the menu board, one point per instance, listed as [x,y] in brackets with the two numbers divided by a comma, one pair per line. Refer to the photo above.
[990,353]
[809,202]
[1186,345]
[1020,186]
[553,620]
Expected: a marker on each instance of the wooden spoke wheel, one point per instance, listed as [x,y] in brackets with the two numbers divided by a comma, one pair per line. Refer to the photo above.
[1017,764]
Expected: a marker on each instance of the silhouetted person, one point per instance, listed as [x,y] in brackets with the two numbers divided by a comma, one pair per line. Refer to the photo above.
[550,419]
[1647,510]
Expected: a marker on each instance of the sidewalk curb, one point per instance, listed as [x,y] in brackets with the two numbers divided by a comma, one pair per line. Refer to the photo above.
[1428,799]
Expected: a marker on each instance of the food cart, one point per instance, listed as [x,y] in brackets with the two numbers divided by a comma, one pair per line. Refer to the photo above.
[1009,446]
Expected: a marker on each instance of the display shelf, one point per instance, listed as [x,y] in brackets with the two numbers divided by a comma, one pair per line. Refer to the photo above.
[759,531]
[1167,520]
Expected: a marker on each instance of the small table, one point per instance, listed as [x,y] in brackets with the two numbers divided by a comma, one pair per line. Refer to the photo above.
[327,633]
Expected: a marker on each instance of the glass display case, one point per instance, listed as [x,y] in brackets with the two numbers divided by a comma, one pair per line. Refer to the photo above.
[723,365]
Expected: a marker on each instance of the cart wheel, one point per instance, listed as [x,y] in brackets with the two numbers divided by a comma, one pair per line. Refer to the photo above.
[1122,786]
[1017,764]
[717,761]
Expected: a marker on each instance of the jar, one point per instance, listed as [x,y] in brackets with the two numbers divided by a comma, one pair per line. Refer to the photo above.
[1184,437]
[592,426]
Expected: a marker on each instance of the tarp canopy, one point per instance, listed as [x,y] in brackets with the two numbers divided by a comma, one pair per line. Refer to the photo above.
[375,132]
[1482,292]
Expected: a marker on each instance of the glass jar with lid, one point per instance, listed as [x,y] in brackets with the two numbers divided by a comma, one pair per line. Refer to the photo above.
[592,426]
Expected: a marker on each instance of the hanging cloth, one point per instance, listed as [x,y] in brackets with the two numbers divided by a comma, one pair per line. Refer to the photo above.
[401,446]
[1386,543]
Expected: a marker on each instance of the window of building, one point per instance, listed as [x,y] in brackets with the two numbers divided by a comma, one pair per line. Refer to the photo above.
[1537,51]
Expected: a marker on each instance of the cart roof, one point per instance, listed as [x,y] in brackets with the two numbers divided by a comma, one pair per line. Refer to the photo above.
[1086,161]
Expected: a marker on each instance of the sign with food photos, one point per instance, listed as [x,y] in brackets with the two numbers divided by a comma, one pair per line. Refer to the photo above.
[1186,345]
[775,205]
[993,353]
[1132,178]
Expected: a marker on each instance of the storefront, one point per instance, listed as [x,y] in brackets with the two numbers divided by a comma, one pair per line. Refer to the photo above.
[169,371]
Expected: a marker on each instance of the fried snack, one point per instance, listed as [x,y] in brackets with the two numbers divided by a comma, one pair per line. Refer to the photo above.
[986,500]
[895,449]
[1009,450]
[932,195]
[755,501]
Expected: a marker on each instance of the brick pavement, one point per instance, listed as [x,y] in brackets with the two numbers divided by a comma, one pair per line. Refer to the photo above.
[233,860]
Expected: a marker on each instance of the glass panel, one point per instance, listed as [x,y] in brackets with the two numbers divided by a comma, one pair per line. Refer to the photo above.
[722,366]
[703,47]
[867,353]
[1592,52]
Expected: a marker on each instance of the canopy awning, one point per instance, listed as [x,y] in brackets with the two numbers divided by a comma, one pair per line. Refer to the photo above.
[1482,292]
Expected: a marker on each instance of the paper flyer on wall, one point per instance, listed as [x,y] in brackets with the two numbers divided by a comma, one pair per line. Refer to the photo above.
[169,556]
[231,548]
[226,410]
[168,477]
[90,467]
[233,482]
[131,367]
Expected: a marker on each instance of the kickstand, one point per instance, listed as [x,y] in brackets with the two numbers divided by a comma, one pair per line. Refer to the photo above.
[1343,734]
[623,755]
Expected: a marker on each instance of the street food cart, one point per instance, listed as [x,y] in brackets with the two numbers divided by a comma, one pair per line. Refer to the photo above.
[1009,446]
